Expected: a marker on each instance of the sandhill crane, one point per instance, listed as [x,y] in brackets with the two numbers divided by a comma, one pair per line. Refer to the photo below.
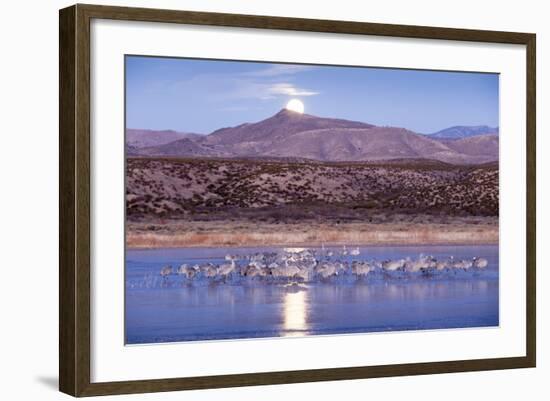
[441,265]
[326,269]
[251,271]
[361,268]
[431,262]
[304,273]
[227,268]
[288,271]
[423,264]
[392,265]
[188,271]
[344,251]
[208,270]
[413,266]
[462,264]
[480,263]
[166,271]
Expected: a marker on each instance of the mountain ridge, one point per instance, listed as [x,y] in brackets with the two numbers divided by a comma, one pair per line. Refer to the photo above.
[464,131]
[140,138]
[288,134]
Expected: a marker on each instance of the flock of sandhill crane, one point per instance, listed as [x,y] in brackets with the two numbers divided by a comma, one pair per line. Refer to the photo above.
[306,265]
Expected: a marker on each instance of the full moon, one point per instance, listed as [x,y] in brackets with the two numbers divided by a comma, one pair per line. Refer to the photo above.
[295,105]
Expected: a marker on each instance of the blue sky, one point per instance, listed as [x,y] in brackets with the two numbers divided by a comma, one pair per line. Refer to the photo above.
[192,95]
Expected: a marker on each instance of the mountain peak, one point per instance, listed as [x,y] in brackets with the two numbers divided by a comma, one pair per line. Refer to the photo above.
[288,114]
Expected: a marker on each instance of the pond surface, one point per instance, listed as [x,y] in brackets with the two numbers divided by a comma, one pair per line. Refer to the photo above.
[166,309]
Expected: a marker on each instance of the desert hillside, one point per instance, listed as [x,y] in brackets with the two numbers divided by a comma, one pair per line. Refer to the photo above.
[212,189]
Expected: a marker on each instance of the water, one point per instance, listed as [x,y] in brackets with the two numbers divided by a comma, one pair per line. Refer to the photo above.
[168,309]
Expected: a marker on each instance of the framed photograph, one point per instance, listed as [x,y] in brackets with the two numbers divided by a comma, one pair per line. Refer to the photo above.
[249,200]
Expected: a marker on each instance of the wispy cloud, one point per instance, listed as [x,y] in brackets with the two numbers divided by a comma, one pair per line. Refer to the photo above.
[245,89]
[264,84]
[278,70]
[289,89]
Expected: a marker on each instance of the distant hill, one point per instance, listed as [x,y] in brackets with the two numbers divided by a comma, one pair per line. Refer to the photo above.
[140,138]
[180,147]
[480,145]
[290,135]
[462,131]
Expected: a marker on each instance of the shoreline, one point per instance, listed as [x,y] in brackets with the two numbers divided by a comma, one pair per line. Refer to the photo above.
[290,236]
[145,248]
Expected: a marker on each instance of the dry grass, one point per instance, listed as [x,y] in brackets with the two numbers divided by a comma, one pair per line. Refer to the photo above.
[314,235]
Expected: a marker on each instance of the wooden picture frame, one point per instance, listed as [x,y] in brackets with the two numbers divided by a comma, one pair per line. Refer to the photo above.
[74,203]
